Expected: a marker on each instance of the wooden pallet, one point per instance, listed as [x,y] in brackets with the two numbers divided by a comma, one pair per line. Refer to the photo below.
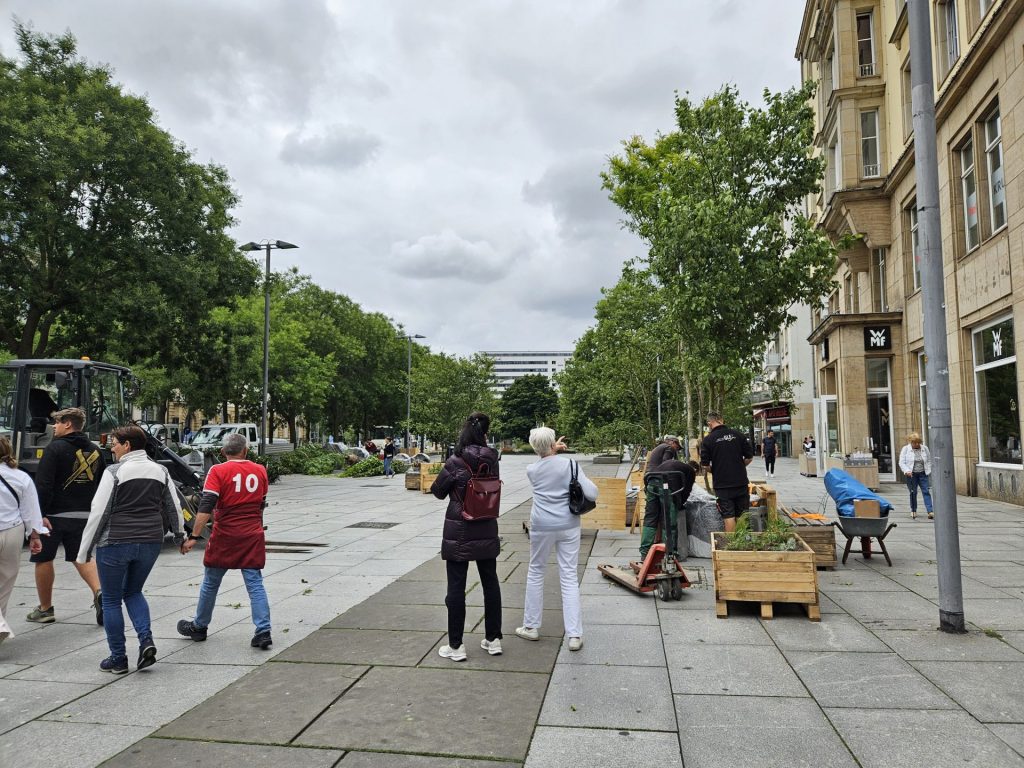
[765,578]
[819,535]
[610,513]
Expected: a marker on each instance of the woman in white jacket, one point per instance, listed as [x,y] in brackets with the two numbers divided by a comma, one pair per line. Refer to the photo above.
[916,465]
[20,517]
[553,525]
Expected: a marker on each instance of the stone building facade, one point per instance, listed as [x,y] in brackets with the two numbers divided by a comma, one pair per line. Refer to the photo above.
[868,334]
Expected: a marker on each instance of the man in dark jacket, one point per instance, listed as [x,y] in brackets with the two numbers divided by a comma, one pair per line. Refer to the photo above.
[727,452]
[67,477]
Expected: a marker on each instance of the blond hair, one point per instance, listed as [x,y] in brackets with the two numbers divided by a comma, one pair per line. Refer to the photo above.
[7,454]
[913,437]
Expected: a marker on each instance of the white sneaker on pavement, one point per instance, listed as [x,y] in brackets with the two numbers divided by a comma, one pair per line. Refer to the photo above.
[493,647]
[575,643]
[455,654]
[528,633]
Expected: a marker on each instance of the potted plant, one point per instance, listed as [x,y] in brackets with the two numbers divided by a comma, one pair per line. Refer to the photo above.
[770,566]
[428,474]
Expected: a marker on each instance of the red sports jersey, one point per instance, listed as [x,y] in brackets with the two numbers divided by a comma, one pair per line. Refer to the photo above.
[241,486]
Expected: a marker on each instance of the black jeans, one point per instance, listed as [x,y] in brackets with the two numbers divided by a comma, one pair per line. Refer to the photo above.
[769,463]
[456,599]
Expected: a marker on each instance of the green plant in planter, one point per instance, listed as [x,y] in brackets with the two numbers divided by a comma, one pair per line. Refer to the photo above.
[434,469]
[776,537]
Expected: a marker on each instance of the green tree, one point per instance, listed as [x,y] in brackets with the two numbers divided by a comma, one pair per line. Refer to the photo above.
[529,401]
[716,200]
[111,236]
[446,389]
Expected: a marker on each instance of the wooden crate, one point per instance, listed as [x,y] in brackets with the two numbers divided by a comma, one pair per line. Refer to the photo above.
[819,535]
[426,477]
[412,480]
[765,578]
[769,498]
[610,513]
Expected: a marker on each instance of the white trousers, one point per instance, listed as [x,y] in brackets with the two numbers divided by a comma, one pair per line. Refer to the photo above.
[567,551]
[11,542]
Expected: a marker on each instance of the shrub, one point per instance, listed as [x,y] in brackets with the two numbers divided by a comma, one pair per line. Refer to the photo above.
[310,460]
[399,467]
[366,468]
[271,463]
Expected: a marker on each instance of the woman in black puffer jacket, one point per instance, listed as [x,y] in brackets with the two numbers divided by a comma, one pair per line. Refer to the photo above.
[465,540]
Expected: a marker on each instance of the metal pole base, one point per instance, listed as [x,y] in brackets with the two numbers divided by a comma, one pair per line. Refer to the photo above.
[952,623]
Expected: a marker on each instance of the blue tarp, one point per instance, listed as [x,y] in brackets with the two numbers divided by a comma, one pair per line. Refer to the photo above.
[844,488]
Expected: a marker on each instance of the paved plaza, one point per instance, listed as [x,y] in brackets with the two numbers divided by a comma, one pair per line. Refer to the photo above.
[354,678]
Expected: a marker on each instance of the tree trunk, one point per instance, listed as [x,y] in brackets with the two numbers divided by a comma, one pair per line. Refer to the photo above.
[224,412]
[293,432]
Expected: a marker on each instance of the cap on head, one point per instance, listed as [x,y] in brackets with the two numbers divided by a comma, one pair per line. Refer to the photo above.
[670,439]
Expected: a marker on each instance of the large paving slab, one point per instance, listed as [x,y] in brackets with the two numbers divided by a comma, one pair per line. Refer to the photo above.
[832,633]
[386,760]
[639,646]
[42,744]
[25,700]
[600,748]
[370,615]
[889,610]
[992,691]
[752,732]
[628,610]
[694,628]
[868,680]
[735,670]
[290,695]
[518,655]
[920,739]
[616,697]
[933,645]
[168,753]
[363,646]
[457,712]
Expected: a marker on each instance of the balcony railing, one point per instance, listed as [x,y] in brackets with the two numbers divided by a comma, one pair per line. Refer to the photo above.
[871,170]
[867,70]
[772,360]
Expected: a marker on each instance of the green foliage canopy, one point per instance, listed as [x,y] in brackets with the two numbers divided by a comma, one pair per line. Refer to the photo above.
[529,401]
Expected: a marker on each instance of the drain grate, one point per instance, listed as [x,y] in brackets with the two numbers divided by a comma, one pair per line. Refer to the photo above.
[372,524]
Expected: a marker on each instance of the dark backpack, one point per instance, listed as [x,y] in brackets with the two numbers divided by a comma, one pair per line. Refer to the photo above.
[483,494]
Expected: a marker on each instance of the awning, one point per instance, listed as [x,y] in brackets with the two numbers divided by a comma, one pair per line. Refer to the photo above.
[759,412]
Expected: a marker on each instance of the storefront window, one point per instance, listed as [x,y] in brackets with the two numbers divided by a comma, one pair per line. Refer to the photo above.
[995,374]
[877,369]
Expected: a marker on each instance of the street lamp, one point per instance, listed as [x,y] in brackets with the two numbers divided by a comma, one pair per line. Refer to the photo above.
[268,246]
[408,377]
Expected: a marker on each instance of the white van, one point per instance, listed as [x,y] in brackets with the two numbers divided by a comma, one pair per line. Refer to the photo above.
[210,437]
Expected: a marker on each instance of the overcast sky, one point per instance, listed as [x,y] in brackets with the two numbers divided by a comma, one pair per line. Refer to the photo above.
[437,161]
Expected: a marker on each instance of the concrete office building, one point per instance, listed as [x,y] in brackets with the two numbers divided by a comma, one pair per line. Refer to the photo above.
[868,336]
[509,366]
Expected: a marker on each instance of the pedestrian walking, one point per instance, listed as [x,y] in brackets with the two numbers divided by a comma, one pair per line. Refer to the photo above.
[135,505]
[19,517]
[464,541]
[66,481]
[916,465]
[727,452]
[769,449]
[236,490]
[552,525]
[389,457]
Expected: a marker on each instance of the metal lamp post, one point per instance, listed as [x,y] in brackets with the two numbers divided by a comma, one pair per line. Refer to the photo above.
[268,246]
[408,379]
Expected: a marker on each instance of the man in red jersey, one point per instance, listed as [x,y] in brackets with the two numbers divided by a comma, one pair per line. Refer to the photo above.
[236,491]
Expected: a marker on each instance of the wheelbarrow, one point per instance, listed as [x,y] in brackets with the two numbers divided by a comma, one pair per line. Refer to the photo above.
[865,528]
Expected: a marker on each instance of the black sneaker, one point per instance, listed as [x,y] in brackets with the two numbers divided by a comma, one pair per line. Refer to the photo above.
[147,655]
[188,629]
[115,666]
[97,605]
[261,640]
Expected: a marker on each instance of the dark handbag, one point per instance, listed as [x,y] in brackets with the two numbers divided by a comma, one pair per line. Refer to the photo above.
[578,503]
[483,494]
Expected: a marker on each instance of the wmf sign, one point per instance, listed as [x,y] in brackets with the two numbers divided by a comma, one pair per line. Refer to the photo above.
[877,337]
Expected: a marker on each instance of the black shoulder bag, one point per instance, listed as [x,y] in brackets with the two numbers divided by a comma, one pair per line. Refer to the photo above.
[579,504]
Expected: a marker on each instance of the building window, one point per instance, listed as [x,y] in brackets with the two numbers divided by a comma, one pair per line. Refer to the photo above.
[833,175]
[876,370]
[994,162]
[865,44]
[915,254]
[828,80]
[878,279]
[947,35]
[969,192]
[869,142]
[922,378]
[851,295]
[995,375]
[908,105]
[984,5]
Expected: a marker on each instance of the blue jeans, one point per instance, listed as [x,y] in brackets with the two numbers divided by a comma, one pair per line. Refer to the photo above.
[915,481]
[253,578]
[123,569]
[387,466]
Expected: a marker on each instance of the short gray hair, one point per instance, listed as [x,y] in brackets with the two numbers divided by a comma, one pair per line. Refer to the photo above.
[542,440]
[669,439]
[235,444]
[713,416]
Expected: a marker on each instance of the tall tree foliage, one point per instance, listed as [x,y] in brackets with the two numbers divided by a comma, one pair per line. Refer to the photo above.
[446,389]
[108,227]
[529,401]
[716,200]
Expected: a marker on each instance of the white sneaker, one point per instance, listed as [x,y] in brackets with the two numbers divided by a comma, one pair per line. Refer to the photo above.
[493,647]
[575,643]
[455,654]
[528,633]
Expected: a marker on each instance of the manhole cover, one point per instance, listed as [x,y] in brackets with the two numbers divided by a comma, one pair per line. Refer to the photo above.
[372,524]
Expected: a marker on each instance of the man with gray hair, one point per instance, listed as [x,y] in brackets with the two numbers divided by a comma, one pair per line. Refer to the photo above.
[667,450]
[237,491]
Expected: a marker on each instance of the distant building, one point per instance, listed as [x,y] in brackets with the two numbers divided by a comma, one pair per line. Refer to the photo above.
[509,366]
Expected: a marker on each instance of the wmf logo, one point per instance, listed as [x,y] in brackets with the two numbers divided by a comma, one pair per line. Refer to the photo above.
[997,343]
[877,337]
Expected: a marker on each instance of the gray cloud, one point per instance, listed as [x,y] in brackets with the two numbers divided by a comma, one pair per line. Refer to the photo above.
[339,146]
[448,256]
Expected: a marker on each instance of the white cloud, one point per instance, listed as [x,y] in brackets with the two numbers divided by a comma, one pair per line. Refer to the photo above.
[338,146]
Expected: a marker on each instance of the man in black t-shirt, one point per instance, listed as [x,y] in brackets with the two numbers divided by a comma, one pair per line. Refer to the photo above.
[667,450]
[727,452]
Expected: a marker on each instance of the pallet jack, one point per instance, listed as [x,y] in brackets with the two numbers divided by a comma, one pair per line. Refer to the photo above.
[660,570]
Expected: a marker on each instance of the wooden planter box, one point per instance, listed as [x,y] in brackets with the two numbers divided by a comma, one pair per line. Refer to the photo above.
[426,477]
[818,535]
[765,578]
[412,479]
